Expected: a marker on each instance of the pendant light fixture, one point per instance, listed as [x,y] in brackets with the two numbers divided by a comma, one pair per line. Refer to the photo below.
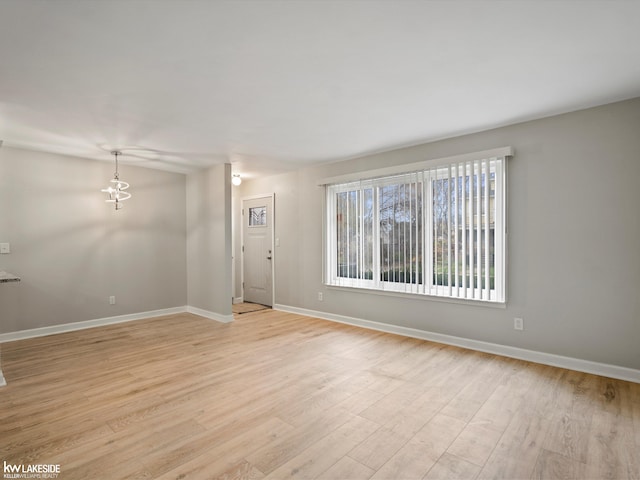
[116,190]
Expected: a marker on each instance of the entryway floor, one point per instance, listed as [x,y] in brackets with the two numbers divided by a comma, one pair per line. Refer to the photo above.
[247,307]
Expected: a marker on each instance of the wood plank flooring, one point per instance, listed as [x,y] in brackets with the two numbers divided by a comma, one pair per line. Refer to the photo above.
[276,395]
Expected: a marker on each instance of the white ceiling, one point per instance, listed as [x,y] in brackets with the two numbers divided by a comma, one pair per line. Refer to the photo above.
[274,85]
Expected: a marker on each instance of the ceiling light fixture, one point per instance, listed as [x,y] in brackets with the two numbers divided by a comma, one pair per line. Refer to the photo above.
[236,179]
[116,191]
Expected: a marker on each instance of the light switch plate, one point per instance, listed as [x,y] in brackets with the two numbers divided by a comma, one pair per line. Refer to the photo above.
[5,248]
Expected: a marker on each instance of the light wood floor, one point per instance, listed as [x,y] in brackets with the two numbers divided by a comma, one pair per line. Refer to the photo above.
[276,395]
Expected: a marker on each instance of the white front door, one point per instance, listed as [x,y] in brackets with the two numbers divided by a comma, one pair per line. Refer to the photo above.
[257,250]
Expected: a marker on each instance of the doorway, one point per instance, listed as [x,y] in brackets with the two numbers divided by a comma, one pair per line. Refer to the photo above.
[257,250]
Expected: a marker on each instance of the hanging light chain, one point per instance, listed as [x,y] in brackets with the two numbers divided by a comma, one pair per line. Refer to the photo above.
[116,153]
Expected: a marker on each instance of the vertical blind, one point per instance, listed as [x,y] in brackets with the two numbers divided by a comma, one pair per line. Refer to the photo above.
[438,231]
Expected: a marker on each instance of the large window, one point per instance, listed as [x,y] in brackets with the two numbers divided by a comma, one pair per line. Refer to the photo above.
[437,231]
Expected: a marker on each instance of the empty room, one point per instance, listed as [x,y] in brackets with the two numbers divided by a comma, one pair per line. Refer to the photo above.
[308,239]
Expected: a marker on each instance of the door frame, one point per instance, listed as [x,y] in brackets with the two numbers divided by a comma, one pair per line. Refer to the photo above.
[272,199]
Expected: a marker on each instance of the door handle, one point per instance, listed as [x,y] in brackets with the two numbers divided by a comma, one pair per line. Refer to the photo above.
[269,257]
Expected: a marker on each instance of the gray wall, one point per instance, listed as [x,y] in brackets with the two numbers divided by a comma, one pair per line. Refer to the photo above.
[574,233]
[73,250]
[209,239]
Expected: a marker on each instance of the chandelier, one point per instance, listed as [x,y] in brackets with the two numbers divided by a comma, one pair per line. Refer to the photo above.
[116,190]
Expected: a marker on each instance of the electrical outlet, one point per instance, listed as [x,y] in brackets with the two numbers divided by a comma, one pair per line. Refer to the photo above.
[320,296]
[5,248]
[518,323]
[112,300]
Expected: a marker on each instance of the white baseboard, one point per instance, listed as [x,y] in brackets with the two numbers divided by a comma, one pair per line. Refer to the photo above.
[211,315]
[606,370]
[613,371]
[98,322]
[238,300]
